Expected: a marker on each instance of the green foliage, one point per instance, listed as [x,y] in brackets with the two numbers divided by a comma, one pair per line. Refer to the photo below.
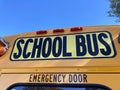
[114,9]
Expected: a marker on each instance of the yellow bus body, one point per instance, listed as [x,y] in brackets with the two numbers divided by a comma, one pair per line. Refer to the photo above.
[103,69]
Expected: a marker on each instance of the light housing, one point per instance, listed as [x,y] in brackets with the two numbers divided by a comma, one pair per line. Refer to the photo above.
[3,46]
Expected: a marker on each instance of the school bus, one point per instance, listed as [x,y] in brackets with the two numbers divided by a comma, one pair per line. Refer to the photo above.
[77,58]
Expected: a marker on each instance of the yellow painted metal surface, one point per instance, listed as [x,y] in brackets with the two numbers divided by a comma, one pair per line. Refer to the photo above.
[99,68]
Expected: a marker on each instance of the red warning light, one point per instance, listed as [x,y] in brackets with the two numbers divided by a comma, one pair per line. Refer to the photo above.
[58,30]
[76,29]
[41,32]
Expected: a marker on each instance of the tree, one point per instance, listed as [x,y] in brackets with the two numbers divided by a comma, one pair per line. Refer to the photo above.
[114,9]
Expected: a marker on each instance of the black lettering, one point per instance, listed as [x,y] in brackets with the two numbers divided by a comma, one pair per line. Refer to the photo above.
[63,76]
[17,55]
[34,78]
[47,44]
[65,53]
[43,78]
[59,75]
[57,53]
[95,45]
[46,78]
[37,47]
[84,78]
[70,78]
[75,77]
[105,50]
[30,79]
[25,53]
[55,78]
[80,78]
[50,79]
[80,45]
[39,77]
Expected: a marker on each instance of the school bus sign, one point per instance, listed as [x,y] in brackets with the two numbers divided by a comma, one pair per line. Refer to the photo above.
[71,46]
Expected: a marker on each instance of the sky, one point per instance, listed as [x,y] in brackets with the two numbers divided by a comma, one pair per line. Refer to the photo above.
[19,16]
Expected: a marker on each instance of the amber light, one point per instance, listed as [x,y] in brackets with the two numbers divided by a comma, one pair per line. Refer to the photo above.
[2,48]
